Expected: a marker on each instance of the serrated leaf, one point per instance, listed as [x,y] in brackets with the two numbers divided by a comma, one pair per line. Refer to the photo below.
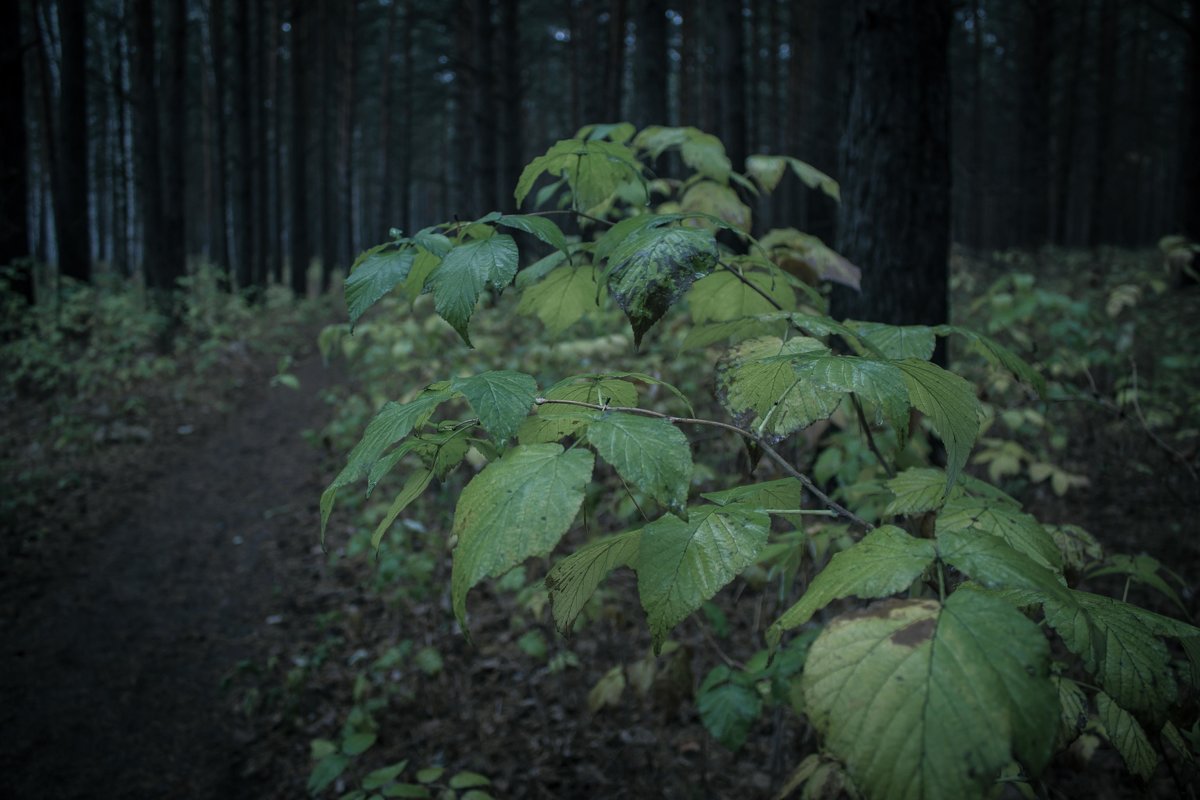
[704,153]
[465,272]
[418,277]
[501,399]
[563,298]
[1126,735]
[922,700]
[897,341]
[652,454]
[571,582]
[917,490]
[682,564]
[1124,654]
[776,494]
[727,711]
[999,355]
[554,421]
[759,375]
[541,227]
[717,200]
[723,296]
[990,561]
[375,273]
[393,422]
[1020,530]
[653,268]
[1072,711]
[885,562]
[951,405]
[593,169]
[516,508]
[877,382]
[416,484]
[615,236]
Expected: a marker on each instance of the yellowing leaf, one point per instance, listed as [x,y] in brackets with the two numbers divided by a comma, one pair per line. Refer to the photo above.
[572,580]
[562,299]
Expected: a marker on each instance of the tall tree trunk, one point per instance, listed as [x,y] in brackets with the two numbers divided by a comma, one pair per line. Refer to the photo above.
[1069,126]
[275,79]
[14,214]
[174,86]
[650,65]
[1105,88]
[463,200]
[406,141]
[346,136]
[220,214]
[732,93]
[1191,142]
[385,215]
[1035,106]
[895,162]
[614,63]
[146,135]
[264,20]
[243,210]
[979,188]
[512,159]
[74,251]
[301,249]
[326,201]
[483,121]
[123,157]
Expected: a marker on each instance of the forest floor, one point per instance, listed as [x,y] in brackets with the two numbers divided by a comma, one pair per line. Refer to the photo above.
[182,634]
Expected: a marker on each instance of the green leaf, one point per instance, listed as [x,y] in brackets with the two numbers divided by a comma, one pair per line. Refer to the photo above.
[393,422]
[384,775]
[993,563]
[652,454]
[593,169]
[1119,649]
[563,298]
[723,296]
[922,700]
[437,244]
[517,507]
[813,178]
[759,376]
[717,200]
[877,382]
[468,780]
[767,170]
[571,582]
[999,355]
[1127,736]
[357,743]
[1021,531]
[466,271]
[430,774]
[539,269]
[682,564]
[327,770]
[416,484]
[885,562]
[418,278]
[608,690]
[554,421]
[727,711]
[501,399]
[652,269]
[781,493]
[428,660]
[1072,711]
[897,341]
[410,790]
[917,490]
[950,403]
[541,227]
[612,238]
[704,153]
[375,273]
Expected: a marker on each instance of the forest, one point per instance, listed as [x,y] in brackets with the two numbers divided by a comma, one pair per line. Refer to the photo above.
[531,398]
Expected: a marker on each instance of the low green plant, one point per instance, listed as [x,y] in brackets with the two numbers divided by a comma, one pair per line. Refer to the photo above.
[974,654]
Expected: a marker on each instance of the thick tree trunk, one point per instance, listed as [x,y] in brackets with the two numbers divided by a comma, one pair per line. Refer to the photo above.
[483,102]
[1191,143]
[14,216]
[1035,105]
[1106,73]
[74,250]
[895,162]
[650,64]
[301,252]
[146,136]
[732,93]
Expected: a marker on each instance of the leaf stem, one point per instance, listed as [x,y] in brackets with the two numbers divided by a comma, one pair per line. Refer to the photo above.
[773,454]
[866,429]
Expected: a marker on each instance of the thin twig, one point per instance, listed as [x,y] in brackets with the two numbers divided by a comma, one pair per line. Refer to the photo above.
[1154,437]
[862,421]
[773,454]
[570,212]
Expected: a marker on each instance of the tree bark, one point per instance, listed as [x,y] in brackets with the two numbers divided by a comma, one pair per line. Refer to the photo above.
[732,93]
[220,213]
[74,250]
[511,116]
[243,176]
[298,240]
[895,162]
[1191,142]
[174,86]
[346,136]
[14,213]
[1036,107]
[1106,74]
[614,66]
[650,64]
[146,135]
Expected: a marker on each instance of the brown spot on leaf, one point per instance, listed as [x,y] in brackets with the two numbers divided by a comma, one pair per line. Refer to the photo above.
[916,633]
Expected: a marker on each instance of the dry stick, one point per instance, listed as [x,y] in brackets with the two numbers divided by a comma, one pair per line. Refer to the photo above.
[783,463]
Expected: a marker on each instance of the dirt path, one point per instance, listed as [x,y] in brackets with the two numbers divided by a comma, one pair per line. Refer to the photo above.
[111,661]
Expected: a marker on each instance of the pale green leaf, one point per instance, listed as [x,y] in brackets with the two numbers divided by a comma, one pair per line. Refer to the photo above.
[418,277]
[723,296]
[652,454]
[717,200]
[539,269]
[767,170]
[466,271]
[759,376]
[1021,531]
[468,780]
[704,153]
[897,341]
[990,561]
[375,273]
[615,236]
[430,774]
[438,244]
[652,268]
[778,494]
[998,355]
[571,582]
[393,422]
[516,508]
[1127,736]
[727,711]
[682,564]
[885,562]
[593,169]
[554,421]
[562,299]
[917,490]
[608,690]
[500,398]
[876,382]
[541,227]
[921,700]
[416,484]
[950,403]
[813,178]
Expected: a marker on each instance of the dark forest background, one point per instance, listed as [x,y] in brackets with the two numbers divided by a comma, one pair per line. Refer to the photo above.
[143,135]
